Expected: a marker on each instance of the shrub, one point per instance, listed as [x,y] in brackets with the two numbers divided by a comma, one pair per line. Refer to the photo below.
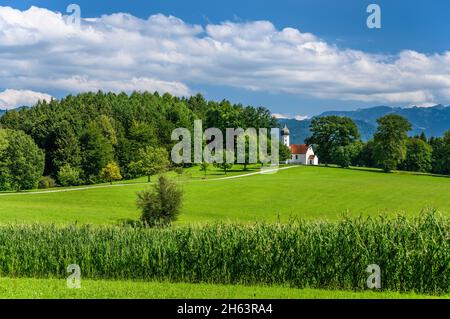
[179,170]
[46,182]
[110,173]
[69,176]
[161,205]
[204,168]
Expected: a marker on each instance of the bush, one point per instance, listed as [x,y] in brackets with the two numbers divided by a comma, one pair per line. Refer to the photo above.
[161,205]
[46,182]
[110,173]
[69,176]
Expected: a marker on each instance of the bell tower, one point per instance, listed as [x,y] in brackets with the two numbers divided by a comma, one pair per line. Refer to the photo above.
[285,135]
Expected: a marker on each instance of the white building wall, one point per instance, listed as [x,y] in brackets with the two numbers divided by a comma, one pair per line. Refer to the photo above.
[298,159]
[303,159]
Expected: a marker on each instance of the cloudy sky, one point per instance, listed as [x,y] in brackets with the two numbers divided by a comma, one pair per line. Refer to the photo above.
[298,58]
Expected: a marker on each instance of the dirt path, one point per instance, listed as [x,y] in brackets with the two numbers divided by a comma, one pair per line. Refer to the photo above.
[265,171]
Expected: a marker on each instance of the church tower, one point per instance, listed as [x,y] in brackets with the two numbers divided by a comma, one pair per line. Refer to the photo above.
[285,135]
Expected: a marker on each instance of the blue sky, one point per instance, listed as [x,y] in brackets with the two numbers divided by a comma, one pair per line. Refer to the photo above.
[414,26]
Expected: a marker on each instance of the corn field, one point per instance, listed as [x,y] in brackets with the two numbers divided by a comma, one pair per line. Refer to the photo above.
[413,254]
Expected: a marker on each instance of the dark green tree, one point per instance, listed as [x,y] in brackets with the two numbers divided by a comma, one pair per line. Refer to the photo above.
[366,157]
[97,151]
[67,147]
[390,141]
[22,162]
[329,133]
[345,156]
[441,154]
[418,156]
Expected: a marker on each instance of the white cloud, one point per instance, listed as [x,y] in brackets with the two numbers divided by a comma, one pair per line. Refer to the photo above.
[301,117]
[10,99]
[39,51]
[280,116]
[286,116]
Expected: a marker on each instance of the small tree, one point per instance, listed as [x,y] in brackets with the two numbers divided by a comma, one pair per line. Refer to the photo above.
[224,166]
[285,153]
[204,168]
[46,182]
[68,176]
[179,170]
[152,160]
[111,173]
[161,205]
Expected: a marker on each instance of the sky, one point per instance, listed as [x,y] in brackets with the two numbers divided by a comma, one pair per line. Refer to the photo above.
[297,58]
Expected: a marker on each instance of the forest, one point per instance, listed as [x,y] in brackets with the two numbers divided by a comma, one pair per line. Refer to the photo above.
[76,138]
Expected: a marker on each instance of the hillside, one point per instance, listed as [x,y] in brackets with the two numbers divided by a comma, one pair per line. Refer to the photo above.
[434,121]
[330,192]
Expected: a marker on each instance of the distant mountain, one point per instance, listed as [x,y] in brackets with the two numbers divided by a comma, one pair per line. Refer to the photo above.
[2,112]
[299,130]
[434,121]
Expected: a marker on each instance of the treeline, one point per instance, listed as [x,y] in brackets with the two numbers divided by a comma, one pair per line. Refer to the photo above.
[97,137]
[337,141]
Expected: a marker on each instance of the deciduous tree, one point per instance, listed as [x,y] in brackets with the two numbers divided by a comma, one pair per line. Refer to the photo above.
[390,141]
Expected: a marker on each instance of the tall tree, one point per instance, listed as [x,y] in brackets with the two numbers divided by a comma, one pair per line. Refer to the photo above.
[441,154]
[366,157]
[67,147]
[331,132]
[390,141]
[97,151]
[22,162]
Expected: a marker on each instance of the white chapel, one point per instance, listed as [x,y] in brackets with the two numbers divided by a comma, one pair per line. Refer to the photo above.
[301,153]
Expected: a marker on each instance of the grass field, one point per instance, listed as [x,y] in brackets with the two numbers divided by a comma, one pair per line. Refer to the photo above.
[297,192]
[56,288]
[304,192]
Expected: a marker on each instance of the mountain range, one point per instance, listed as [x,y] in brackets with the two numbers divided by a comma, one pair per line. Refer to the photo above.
[434,121]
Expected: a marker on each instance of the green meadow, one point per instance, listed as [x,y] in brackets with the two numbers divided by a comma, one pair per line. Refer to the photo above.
[109,289]
[299,192]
